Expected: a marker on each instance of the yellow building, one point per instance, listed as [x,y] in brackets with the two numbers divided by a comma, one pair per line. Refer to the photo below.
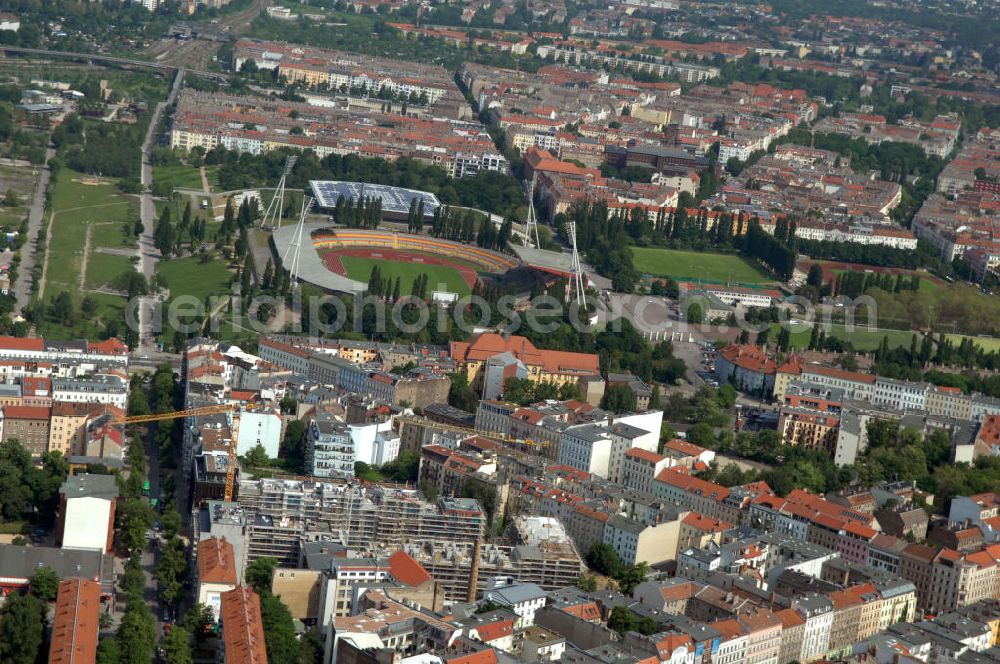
[520,359]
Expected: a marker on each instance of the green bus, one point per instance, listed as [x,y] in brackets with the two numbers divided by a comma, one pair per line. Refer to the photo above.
[145,488]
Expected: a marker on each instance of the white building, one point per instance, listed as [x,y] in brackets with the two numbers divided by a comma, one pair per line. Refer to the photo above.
[260,428]
[899,394]
[586,447]
[109,389]
[9,22]
[817,611]
[329,448]
[641,467]
[524,599]
[87,512]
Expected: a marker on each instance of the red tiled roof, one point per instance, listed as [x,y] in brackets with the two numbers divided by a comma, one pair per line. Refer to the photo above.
[406,570]
[27,412]
[707,524]
[684,447]
[487,345]
[216,561]
[22,343]
[74,629]
[495,630]
[242,629]
[644,455]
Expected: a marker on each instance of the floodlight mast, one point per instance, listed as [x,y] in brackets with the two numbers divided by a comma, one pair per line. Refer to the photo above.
[275,209]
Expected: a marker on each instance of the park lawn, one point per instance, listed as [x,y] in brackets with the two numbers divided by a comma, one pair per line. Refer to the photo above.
[77,205]
[212,175]
[104,269]
[11,216]
[861,337]
[360,269]
[189,276]
[694,265]
[178,176]
[988,344]
[112,235]
[109,307]
[928,283]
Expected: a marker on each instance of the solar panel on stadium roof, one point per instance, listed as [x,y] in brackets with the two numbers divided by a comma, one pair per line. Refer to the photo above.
[394,199]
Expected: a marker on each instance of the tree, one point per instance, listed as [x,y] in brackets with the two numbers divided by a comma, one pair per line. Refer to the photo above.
[279,630]
[258,574]
[256,457]
[815,276]
[22,629]
[695,313]
[177,646]
[604,559]
[199,620]
[136,633]
[107,651]
[171,522]
[44,584]
[619,399]
[11,199]
[587,583]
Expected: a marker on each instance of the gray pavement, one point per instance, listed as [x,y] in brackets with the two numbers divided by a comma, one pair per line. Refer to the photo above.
[29,257]
[146,248]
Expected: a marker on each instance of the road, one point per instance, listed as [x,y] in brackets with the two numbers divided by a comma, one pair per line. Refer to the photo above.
[22,289]
[146,248]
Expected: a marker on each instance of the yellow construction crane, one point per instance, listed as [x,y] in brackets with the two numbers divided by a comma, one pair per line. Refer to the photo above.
[195,412]
[475,432]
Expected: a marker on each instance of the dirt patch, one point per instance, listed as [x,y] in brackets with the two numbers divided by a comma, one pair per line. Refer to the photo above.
[92,181]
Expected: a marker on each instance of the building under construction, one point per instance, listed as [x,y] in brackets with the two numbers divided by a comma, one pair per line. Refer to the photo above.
[282,514]
[543,554]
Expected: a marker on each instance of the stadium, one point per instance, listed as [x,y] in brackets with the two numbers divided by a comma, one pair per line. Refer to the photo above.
[341,259]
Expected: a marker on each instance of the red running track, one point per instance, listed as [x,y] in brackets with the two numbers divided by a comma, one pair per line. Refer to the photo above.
[334,264]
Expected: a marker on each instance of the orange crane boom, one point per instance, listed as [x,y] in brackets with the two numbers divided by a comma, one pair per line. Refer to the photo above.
[195,412]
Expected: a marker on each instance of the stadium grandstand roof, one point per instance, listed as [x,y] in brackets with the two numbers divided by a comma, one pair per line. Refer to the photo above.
[557,262]
[394,199]
[312,269]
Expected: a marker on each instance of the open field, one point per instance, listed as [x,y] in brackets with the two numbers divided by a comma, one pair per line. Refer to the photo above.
[694,265]
[103,269]
[80,203]
[77,205]
[189,276]
[360,269]
[864,339]
[178,176]
[928,282]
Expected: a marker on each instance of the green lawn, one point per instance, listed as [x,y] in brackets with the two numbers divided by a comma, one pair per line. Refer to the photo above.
[864,339]
[179,176]
[861,337]
[189,276]
[695,265]
[113,236]
[103,269]
[927,282]
[360,269]
[78,205]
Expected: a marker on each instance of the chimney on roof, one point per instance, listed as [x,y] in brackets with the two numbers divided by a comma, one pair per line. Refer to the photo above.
[473,588]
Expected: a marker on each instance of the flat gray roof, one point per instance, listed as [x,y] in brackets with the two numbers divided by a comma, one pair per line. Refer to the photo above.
[312,269]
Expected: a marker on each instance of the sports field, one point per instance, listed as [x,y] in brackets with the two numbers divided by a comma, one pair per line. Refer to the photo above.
[864,339]
[439,277]
[696,265]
